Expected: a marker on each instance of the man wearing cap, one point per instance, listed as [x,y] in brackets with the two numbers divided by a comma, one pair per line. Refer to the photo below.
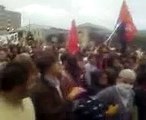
[120,95]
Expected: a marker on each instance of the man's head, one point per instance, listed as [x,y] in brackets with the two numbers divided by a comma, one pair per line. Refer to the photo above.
[26,60]
[46,63]
[14,79]
[64,58]
[127,76]
[92,59]
[3,55]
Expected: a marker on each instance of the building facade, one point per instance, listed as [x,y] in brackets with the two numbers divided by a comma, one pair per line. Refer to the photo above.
[41,32]
[9,20]
[90,33]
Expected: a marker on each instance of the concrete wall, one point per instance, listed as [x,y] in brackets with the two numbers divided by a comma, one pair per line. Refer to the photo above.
[9,20]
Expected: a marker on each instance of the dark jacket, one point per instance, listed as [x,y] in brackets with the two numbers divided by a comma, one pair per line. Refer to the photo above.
[89,109]
[110,96]
[140,100]
[48,103]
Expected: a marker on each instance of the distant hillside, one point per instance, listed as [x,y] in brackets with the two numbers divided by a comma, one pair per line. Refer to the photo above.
[142,33]
[93,26]
[140,39]
[95,32]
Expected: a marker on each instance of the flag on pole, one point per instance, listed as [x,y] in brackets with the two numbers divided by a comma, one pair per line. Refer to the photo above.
[121,31]
[72,45]
[126,29]
[125,19]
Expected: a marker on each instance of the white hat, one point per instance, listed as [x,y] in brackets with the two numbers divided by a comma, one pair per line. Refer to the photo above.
[128,74]
[112,49]
[85,59]
[24,54]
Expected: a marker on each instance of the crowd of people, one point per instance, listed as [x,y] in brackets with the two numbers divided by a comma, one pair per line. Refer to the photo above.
[48,83]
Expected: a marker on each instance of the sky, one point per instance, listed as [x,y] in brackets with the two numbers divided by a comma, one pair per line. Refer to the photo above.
[59,13]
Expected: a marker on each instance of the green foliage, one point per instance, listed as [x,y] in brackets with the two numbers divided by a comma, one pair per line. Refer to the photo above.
[30,38]
[60,38]
[140,41]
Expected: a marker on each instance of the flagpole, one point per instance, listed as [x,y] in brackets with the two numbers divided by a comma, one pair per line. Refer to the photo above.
[111,35]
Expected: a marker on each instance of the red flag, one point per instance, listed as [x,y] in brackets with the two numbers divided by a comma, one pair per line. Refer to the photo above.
[73,43]
[126,18]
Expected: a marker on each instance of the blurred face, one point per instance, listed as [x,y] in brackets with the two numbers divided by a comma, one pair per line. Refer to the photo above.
[3,55]
[124,85]
[122,80]
[32,78]
[32,81]
[131,61]
[93,60]
[55,70]
[105,54]
[116,62]
[81,64]
[15,51]
[103,79]
[26,88]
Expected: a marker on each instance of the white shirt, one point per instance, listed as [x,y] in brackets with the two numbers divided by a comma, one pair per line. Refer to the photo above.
[88,69]
[22,112]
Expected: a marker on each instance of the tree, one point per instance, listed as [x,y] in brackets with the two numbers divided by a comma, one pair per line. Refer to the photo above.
[49,38]
[61,38]
[140,41]
[29,38]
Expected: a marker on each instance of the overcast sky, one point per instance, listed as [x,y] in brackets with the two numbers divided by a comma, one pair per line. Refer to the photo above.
[59,13]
